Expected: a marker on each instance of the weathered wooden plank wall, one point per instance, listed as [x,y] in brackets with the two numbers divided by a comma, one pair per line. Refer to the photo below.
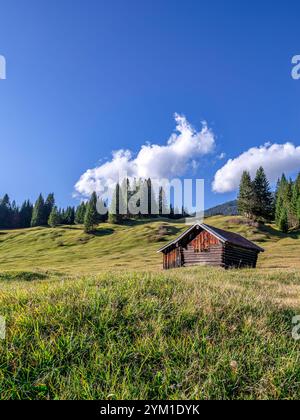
[172,259]
[239,257]
[204,240]
[204,249]
[209,256]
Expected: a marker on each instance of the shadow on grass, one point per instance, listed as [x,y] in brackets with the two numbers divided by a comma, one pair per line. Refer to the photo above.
[22,276]
[172,230]
[141,222]
[102,232]
[69,227]
[269,230]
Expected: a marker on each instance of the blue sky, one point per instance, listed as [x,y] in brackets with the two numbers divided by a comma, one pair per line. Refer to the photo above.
[85,78]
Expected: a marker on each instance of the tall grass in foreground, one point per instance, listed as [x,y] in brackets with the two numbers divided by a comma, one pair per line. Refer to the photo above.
[196,333]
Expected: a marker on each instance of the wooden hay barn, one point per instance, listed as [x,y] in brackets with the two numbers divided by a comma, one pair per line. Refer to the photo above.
[202,244]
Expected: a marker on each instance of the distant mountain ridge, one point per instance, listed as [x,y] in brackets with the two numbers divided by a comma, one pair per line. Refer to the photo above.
[227,209]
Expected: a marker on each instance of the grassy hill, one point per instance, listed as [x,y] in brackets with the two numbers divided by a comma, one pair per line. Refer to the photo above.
[95,317]
[132,246]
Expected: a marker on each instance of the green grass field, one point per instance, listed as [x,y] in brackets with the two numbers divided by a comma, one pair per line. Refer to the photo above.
[128,247]
[95,317]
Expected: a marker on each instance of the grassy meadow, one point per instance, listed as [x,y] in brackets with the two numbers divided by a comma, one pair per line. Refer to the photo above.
[132,246]
[96,317]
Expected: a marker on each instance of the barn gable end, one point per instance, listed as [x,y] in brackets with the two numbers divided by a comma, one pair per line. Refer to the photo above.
[204,249]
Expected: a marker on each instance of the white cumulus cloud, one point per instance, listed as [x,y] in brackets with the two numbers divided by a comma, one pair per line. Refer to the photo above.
[181,153]
[275,159]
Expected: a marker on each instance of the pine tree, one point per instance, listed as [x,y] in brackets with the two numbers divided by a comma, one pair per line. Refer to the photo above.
[26,214]
[279,207]
[80,213]
[49,204]
[5,201]
[72,216]
[283,207]
[54,219]
[114,209]
[246,196]
[14,218]
[153,206]
[123,199]
[278,202]
[5,212]
[38,213]
[164,211]
[283,221]
[172,213]
[298,209]
[136,199]
[132,197]
[69,216]
[295,219]
[63,216]
[144,204]
[288,204]
[91,215]
[280,197]
[263,207]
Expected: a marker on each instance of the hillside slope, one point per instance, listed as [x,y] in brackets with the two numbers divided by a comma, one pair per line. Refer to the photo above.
[192,333]
[132,246]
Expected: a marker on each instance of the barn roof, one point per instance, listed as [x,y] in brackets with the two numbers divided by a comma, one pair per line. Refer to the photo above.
[223,235]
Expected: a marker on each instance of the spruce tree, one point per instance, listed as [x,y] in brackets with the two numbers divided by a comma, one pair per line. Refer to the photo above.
[153,205]
[164,211]
[144,204]
[263,207]
[172,213]
[69,216]
[80,213]
[278,202]
[91,215]
[295,219]
[72,216]
[298,209]
[279,207]
[5,212]
[283,221]
[63,216]
[54,219]
[246,196]
[14,219]
[134,190]
[38,213]
[136,197]
[123,199]
[283,205]
[114,208]
[49,204]
[26,214]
